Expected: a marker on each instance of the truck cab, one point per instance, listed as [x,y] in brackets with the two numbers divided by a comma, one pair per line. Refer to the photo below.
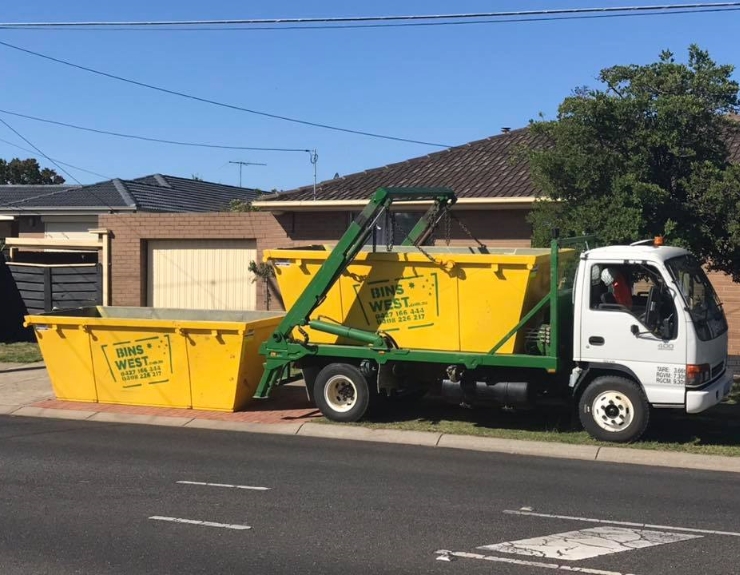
[648,329]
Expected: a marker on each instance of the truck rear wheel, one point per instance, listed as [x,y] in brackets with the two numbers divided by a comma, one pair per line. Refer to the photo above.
[341,392]
[614,409]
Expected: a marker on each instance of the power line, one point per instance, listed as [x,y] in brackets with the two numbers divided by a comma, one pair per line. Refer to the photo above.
[148,139]
[22,137]
[57,164]
[216,102]
[58,161]
[267,28]
[350,19]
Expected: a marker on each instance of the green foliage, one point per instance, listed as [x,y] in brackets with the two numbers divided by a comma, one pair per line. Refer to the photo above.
[237,205]
[241,206]
[27,172]
[262,270]
[645,155]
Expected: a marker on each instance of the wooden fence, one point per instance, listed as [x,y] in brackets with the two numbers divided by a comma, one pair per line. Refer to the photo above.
[44,288]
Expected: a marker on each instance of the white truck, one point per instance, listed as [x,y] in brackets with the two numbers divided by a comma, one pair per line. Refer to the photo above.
[617,330]
[668,349]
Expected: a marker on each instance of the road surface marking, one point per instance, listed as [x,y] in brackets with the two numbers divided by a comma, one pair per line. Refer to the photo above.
[252,487]
[201,523]
[623,523]
[446,555]
[588,543]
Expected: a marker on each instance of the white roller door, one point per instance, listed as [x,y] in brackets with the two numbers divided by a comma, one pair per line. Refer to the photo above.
[201,274]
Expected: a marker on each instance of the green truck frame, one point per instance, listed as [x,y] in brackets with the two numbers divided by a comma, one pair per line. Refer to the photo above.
[282,349]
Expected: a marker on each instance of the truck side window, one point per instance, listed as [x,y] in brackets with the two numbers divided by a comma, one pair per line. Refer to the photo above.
[637,289]
[611,287]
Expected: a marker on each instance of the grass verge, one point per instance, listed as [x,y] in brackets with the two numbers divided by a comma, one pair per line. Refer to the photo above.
[19,353]
[714,432]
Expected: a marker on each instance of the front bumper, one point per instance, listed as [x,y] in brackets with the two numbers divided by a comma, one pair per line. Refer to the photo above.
[700,400]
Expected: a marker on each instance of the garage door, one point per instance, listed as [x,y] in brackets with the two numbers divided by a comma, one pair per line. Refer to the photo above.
[201,274]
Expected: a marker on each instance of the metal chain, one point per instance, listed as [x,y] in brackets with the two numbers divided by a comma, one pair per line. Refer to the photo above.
[435,219]
[466,230]
[448,226]
[429,257]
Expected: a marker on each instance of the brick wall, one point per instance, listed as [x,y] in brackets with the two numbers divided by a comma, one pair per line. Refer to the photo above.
[729,293]
[130,232]
[502,228]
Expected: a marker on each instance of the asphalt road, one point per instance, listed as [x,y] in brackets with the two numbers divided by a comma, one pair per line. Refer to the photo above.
[80,497]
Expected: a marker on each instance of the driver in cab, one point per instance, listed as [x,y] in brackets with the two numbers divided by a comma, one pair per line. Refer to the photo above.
[618,286]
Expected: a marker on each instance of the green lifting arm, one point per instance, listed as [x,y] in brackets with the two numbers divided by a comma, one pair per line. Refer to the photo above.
[276,349]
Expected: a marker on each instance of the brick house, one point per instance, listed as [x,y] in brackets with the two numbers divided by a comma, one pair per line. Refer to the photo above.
[69,211]
[495,195]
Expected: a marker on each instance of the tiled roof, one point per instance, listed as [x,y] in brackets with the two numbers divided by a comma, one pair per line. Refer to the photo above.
[16,198]
[487,168]
[483,169]
[156,193]
[184,194]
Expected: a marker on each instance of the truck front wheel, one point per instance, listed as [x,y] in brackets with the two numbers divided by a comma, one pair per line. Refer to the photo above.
[341,392]
[614,409]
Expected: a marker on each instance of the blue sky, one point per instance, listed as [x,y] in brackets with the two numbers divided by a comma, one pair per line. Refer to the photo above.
[442,84]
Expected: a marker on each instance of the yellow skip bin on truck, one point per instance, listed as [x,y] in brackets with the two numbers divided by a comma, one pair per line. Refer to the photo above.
[444,298]
[156,357]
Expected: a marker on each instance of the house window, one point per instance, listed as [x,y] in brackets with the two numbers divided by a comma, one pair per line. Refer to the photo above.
[402,222]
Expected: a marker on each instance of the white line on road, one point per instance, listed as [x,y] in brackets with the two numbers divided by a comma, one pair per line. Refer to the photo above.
[445,555]
[201,523]
[625,523]
[588,543]
[252,487]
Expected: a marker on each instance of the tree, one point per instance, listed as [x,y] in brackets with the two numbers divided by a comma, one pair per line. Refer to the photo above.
[645,155]
[18,171]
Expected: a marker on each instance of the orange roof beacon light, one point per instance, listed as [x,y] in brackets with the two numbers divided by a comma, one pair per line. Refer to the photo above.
[658,241]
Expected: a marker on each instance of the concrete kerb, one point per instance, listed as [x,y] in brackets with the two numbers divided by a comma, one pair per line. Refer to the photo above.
[9,409]
[669,459]
[275,428]
[424,438]
[623,455]
[31,411]
[520,447]
[13,367]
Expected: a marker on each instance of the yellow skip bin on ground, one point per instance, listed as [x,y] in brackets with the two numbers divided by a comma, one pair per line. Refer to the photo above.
[155,357]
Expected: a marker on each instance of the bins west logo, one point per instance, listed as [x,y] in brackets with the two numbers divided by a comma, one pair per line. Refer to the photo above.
[409,302]
[140,361]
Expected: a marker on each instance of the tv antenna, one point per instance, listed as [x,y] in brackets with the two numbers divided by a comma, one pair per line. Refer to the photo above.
[241,165]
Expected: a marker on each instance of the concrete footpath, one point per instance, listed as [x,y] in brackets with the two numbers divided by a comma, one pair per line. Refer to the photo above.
[25,391]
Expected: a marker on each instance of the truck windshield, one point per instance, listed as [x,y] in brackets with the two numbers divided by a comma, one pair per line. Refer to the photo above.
[701,300]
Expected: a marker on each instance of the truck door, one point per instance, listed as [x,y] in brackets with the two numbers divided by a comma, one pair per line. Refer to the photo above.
[629,317]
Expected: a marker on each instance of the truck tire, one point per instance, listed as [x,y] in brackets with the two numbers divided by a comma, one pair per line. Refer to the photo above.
[614,409]
[341,392]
